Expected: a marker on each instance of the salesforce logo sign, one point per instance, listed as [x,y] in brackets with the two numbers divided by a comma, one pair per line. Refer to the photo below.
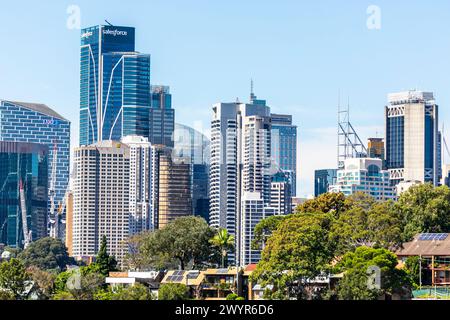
[115,32]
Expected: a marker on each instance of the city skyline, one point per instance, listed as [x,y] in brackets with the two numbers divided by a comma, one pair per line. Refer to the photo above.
[364,64]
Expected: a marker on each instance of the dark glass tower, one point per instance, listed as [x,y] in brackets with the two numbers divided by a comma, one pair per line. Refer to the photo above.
[26,164]
[114,85]
[162,117]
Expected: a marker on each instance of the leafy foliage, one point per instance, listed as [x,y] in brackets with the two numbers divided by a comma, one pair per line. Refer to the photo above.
[333,203]
[173,291]
[264,230]
[183,241]
[43,282]
[224,242]
[46,254]
[425,209]
[14,278]
[377,224]
[103,261]
[355,265]
[300,249]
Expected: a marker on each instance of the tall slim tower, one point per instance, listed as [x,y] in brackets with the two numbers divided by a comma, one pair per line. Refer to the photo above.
[114,85]
[240,172]
[412,138]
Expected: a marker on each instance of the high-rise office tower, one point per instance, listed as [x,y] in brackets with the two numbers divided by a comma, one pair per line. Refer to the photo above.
[142,176]
[114,85]
[375,148]
[37,123]
[23,166]
[412,137]
[196,146]
[364,175]
[280,194]
[162,117]
[101,199]
[240,172]
[174,188]
[284,147]
[323,179]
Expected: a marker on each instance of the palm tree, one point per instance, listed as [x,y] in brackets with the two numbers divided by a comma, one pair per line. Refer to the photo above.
[224,241]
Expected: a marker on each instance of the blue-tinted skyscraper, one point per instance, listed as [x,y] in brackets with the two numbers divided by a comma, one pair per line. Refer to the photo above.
[323,179]
[284,147]
[162,117]
[37,123]
[114,85]
[23,164]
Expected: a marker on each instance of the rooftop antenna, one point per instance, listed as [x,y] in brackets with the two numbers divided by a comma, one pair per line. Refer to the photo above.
[108,23]
[252,93]
[349,143]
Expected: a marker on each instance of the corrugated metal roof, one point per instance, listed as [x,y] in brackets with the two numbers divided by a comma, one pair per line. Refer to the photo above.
[419,247]
[41,108]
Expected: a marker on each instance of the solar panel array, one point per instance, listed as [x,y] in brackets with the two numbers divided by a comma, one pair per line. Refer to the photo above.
[177,276]
[433,236]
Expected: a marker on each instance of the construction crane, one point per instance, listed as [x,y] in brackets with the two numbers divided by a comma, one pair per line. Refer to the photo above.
[53,216]
[27,236]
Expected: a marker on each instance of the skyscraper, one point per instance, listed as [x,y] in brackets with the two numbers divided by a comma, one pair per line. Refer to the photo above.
[174,188]
[162,117]
[37,123]
[114,85]
[240,172]
[323,179]
[142,184]
[412,137]
[284,147]
[196,146]
[101,199]
[23,165]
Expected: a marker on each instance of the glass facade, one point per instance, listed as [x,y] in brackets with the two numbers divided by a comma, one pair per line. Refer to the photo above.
[162,117]
[25,163]
[114,85]
[323,179]
[395,142]
[36,123]
[284,146]
[191,144]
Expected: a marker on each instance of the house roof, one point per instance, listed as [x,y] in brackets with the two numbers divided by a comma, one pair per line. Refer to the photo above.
[429,244]
[38,107]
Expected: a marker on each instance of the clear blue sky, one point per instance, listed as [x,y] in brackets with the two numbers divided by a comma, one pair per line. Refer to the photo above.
[300,53]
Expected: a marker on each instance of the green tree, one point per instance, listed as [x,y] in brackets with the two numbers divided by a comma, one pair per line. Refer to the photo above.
[333,203]
[425,209]
[14,278]
[224,242]
[355,283]
[6,295]
[43,282]
[135,292]
[46,254]
[412,266]
[183,241]
[104,261]
[299,250]
[264,229]
[370,224]
[173,291]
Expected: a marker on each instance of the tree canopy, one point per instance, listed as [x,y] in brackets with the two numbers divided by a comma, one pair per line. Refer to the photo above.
[300,249]
[46,254]
[14,278]
[183,241]
[173,291]
[425,209]
[356,266]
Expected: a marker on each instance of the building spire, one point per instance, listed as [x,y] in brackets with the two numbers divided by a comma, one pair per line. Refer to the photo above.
[252,93]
